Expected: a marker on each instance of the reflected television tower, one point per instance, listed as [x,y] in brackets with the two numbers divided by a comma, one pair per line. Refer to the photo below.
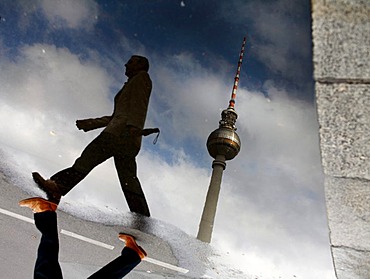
[222,144]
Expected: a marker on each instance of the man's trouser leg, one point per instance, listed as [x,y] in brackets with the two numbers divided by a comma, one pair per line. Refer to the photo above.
[47,264]
[98,151]
[130,184]
[119,267]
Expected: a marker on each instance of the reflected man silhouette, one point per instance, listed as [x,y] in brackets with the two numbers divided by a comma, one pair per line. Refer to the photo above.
[120,139]
[47,263]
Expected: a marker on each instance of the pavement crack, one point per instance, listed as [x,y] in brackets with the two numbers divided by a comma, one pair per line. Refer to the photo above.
[331,80]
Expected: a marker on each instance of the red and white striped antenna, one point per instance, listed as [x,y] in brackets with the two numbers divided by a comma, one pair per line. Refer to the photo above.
[236,80]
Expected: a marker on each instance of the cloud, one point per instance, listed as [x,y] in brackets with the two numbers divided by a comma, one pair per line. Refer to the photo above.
[45,66]
[190,98]
[272,195]
[277,35]
[273,190]
[44,91]
[82,14]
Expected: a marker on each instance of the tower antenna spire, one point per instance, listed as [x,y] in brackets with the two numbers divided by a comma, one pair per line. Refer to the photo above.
[236,79]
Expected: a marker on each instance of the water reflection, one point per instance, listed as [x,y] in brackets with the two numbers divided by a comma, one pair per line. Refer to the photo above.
[62,61]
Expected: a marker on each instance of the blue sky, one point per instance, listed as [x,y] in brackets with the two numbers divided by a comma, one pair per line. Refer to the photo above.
[210,32]
[63,60]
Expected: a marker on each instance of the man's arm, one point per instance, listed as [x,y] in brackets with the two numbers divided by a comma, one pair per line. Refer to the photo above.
[93,123]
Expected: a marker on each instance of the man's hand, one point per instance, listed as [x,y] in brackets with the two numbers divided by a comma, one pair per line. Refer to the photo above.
[85,124]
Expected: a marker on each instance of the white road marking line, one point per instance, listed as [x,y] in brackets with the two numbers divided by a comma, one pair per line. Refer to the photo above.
[15,215]
[95,242]
[86,239]
[166,265]
[101,244]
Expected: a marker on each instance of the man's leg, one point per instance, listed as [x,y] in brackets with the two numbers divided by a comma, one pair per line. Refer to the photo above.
[130,184]
[119,267]
[98,151]
[131,256]
[67,179]
[47,264]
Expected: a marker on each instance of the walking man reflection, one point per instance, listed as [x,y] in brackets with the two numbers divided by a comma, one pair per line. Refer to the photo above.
[120,139]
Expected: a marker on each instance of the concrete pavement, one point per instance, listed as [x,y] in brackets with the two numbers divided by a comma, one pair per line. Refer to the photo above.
[84,246]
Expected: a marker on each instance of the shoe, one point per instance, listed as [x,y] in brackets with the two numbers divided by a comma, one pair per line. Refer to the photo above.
[131,243]
[38,205]
[49,187]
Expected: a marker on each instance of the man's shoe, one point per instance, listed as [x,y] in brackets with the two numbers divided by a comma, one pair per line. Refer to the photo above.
[131,243]
[38,205]
[49,187]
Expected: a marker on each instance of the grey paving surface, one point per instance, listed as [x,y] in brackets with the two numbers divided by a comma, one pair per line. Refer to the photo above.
[350,263]
[348,203]
[19,241]
[344,117]
[341,40]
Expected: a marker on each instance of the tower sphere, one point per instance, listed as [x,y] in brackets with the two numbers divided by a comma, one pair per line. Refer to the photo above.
[223,141]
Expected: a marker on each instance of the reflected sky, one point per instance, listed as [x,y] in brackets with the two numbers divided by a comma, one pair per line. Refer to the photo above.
[63,60]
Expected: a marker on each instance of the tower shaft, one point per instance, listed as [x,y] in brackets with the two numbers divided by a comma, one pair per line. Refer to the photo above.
[209,211]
